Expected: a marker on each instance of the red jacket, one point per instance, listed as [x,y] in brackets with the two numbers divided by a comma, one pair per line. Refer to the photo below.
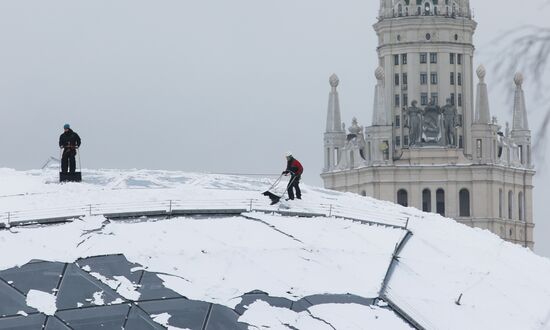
[295,167]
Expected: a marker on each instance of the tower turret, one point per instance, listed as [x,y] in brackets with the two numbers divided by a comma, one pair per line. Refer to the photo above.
[520,126]
[335,135]
[379,114]
[483,113]
[484,130]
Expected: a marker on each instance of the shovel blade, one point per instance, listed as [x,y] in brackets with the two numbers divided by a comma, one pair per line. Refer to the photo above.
[274,198]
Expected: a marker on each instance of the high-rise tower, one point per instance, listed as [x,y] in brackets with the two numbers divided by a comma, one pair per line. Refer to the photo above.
[433,143]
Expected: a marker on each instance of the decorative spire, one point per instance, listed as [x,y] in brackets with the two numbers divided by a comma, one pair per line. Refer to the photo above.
[483,112]
[379,117]
[520,122]
[334,121]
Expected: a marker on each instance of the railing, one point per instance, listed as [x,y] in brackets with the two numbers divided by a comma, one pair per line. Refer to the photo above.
[171,208]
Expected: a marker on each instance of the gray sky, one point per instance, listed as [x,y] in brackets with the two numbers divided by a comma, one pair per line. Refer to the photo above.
[219,86]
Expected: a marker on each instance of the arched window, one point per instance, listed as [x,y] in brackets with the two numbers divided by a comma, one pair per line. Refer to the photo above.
[510,205]
[520,206]
[426,200]
[403,198]
[400,10]
[500,203]
[464,197]
[440,201]
[427,9]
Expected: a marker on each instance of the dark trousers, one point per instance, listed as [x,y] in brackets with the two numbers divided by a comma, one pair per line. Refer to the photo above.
[68,161]
[294,184]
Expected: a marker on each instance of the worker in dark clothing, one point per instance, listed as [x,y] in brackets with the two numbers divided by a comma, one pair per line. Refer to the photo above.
[295,169]
[69,141]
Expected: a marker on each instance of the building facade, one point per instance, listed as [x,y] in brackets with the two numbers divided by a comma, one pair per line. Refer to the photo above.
[433,145]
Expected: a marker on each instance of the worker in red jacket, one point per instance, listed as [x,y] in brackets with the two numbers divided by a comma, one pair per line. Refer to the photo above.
[295,169]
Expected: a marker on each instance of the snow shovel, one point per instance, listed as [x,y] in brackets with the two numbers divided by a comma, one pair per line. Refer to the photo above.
[274,198]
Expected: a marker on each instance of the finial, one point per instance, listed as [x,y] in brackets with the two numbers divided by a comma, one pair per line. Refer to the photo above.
[379,73]
[334,81]
[481,73]
[518,79]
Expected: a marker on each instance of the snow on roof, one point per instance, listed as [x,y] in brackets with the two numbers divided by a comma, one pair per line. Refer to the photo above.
[444,275]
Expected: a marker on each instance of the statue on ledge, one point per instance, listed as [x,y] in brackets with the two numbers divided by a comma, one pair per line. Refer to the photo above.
[432,124]
[449,123]
[414,123]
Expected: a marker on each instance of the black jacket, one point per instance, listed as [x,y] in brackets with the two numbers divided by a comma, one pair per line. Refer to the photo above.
[69,139]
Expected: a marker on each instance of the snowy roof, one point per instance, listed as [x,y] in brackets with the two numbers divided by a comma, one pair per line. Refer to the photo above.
[157,249]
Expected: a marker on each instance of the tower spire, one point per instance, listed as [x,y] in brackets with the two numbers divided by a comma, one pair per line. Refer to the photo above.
[379,117]
[520,122]
[334,119]
[483,112]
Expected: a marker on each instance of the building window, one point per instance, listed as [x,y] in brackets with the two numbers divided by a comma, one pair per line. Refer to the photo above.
[459,79]
[435,98]
[406,141]
[397,99]
[479,148]
[404,59]
[452,58]
[452,78]
[510,205]
[396,79]
[398,141]
[433,58]
[433,78]
[459,100]
[520,151]
[405,79]
[405,100]
[364,193]
[459,59]
[461,142]
[440,202]
[369,155]
[424,99]
[423,78]
[500,203]
[426,200]
[403,198]
[520,206]
[397,121]
[423,58]
[396,59]
[453,99]
[464,197]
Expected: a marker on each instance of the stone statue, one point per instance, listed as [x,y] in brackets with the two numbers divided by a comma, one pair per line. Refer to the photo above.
[414,123]
[449,123]
[431,124]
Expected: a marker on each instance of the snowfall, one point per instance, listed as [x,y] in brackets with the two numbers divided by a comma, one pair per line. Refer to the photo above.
[438,273]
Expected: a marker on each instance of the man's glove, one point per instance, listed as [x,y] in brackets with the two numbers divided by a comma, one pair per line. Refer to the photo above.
[286,172]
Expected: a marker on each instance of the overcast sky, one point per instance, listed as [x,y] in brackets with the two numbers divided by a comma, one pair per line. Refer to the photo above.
[217,85]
